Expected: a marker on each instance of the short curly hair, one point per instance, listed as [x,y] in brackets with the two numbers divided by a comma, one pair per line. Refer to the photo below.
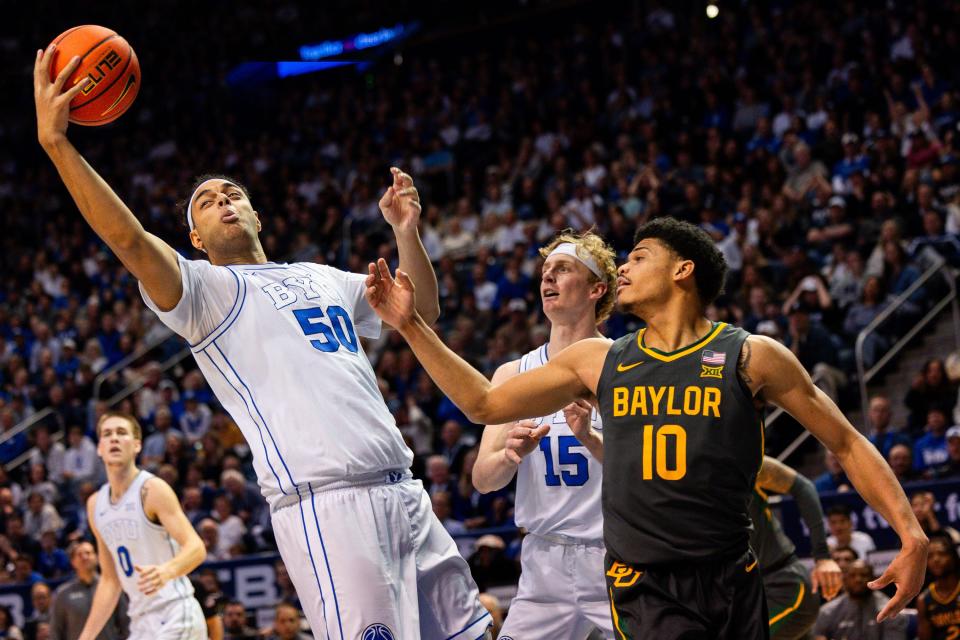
[690,243]
[600,251]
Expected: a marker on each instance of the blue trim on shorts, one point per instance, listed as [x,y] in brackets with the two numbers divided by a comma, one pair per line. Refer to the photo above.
[323,547]
[259,430]
[486,614]
[323,602]
[257,409]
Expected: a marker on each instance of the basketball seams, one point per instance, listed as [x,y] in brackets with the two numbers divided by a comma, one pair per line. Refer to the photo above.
[112,82]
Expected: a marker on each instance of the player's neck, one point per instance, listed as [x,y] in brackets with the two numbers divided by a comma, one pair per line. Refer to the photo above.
[120,479]
[563,334]
[946,584]
[248,255]
[668,331]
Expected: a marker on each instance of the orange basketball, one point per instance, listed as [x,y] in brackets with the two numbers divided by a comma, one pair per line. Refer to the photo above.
[108,67]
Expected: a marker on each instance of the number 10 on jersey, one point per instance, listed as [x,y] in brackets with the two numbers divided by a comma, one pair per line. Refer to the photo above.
[655,452]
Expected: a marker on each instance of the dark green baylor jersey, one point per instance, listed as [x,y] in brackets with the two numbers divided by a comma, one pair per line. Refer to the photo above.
[682,445]
[768,540]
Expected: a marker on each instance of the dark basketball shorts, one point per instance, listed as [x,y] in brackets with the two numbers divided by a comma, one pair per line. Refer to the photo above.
[721,600]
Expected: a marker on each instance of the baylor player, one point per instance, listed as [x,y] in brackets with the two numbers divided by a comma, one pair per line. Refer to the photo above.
[682,439]
[791,590]
[938,607]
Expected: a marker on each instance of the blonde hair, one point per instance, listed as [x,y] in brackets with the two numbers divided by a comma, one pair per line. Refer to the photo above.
[134,425]
[593,245]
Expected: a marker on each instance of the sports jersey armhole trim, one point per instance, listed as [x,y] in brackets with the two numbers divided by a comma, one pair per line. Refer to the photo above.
[143,508]
[232,316]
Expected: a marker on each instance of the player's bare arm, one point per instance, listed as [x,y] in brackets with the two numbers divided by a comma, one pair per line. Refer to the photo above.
[107,595]
[826,577]
[572,373]
[160,504]
[503,446]
[146,256]
[400,206]
[774,373]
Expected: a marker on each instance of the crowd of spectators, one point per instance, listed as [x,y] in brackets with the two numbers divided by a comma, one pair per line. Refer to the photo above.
[815,142]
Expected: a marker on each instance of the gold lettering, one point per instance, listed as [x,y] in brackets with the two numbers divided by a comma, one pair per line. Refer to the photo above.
[639,401]
[671,410]
[680,458]
[619,401]
[656,397]
[711,401]
[648,452]
[692,397]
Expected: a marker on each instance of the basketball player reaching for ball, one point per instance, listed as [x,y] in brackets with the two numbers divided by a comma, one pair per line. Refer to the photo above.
[682,436]
[145,543]
[792,591]
[561,592]
[278,343]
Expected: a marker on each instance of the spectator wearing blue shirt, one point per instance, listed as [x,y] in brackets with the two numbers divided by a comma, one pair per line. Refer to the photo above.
[52,562]
[931,449]
[834,478]
[853,161]
[881,436]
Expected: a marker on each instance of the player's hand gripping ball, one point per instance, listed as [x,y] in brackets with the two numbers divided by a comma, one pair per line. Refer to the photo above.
[108,69]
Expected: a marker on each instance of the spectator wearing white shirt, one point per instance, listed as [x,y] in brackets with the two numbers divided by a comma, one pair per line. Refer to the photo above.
[195,421]
[80,458]
[843,534]
[48,453]
[231,527]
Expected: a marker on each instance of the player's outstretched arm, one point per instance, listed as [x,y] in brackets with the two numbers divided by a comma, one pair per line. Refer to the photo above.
[160,502]
[148,258]
[503,446]
[779,478]
[400,206]
[107,594]
[770,369]
[571,374]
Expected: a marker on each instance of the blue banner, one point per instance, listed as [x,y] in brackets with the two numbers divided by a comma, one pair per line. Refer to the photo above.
[946,495]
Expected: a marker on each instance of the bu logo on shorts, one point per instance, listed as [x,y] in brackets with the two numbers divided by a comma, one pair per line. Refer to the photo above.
[393,477]
[377,631]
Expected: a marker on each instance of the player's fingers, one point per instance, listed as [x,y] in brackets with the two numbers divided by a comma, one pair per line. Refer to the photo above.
[137,568]
[405,280]
[64,74]
[885,579]
[46,61]
[896,604]
[540,431]
[36,69]
[70,93]
[512,456]
[815,581]
[384,271]
[530,424]
[519,432]
[408,191]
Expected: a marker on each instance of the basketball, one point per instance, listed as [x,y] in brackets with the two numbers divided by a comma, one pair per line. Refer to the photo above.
[108,66]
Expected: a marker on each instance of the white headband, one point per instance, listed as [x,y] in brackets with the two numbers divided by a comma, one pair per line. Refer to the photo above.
[570,249]
[190,206]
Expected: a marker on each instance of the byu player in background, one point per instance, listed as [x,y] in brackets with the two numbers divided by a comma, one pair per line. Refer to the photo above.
[557,460]
[279,344]
[145,543]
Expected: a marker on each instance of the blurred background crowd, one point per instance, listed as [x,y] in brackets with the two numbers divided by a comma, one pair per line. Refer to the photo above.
[816,142]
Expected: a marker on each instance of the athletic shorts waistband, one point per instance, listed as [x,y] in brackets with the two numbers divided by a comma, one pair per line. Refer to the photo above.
[559,538]
[378,478]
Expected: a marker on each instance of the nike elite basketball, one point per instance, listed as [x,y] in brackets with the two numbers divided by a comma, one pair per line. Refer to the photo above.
[108,68]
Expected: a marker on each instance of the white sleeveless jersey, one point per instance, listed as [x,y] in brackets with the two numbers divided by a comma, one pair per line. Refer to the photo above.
[279,345]
[133,540]
[558,484]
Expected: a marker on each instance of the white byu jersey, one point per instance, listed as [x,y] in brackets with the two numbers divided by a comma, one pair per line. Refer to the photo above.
[133,540]
[279,345]
[558,484]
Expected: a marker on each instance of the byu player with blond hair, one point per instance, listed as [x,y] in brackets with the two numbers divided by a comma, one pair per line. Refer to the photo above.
[279,344]
[145,543]
[557,460]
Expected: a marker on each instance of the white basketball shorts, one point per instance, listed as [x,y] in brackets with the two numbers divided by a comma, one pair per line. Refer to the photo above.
[562,591]
[372,562]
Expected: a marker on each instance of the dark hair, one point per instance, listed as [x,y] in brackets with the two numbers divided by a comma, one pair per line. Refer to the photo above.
[233,603]
[690,243]
[846,549]
[199,180]
[839,510]
[945,538]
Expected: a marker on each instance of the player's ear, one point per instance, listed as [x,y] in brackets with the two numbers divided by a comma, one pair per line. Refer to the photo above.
[684,269]
[598,290]
[196,241]
[259,224]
